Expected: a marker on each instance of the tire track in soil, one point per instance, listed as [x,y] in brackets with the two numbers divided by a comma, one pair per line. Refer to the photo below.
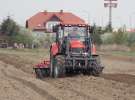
[124,78]
[31,85]
[9,81]
[16,62]
[59,84]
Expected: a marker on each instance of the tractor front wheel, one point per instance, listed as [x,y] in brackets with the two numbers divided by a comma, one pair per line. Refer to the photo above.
[58,68]
[96,69]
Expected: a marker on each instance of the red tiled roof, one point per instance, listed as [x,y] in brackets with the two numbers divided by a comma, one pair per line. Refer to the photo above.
[131,30]
[40,18]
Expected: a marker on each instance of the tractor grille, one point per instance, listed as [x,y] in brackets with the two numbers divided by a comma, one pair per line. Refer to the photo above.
[77,50]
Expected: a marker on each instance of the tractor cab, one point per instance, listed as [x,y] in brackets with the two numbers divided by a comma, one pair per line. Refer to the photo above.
[73,39]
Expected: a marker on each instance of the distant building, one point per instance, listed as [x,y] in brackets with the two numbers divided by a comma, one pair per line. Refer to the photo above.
[44,21]
[131,30]
[4,41]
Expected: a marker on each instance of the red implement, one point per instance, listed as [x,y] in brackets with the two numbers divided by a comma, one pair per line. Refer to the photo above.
[43,64]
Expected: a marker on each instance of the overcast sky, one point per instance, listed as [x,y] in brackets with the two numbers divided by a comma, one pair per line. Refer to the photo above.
[90,10]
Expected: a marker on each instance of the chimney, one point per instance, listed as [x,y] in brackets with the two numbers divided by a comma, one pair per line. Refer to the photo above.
[61,11]
[45,11]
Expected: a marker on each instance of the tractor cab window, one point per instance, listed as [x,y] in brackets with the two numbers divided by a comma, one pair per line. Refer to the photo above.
[75,33]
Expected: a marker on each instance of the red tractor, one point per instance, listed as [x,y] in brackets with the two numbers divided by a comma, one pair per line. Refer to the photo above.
[72,52]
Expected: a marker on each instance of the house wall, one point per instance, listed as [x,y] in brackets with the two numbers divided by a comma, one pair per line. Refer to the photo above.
[40,34]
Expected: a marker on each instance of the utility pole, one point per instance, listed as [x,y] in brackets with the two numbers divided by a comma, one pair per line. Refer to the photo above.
[110,4]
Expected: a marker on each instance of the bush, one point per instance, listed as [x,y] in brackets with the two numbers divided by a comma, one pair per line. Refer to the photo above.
[43,41]
[107,38]
[131,39]
[120,37]
[24,36]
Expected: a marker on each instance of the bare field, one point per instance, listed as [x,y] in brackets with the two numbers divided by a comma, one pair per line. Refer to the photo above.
[17,81]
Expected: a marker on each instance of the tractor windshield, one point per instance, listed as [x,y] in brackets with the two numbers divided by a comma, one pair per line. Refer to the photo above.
[75,33]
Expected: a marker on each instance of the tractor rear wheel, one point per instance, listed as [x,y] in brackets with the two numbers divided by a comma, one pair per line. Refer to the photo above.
[58,68]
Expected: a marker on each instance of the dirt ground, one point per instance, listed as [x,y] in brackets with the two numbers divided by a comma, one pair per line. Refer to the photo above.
[17,80]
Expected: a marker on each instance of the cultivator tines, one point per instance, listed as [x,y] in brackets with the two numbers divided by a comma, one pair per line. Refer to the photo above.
[42,69]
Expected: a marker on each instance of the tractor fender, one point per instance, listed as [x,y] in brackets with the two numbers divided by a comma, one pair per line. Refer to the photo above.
[54,49]
[93,49]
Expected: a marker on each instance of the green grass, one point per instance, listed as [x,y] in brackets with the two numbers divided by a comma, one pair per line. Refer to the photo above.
[25,51]
[124,53]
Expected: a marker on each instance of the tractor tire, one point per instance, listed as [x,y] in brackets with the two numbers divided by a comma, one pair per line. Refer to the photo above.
[58,68]
[39,74]
[96,69]
[51,65]
[86,72]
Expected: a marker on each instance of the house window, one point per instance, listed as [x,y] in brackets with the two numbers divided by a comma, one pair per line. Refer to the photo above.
[50,24]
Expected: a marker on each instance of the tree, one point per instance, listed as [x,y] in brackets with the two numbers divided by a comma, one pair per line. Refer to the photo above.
[97,31]
[120,37]
[108,28]
[22,38]
[9,27]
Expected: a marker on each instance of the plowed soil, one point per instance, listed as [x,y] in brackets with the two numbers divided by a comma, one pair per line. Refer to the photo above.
[17,80]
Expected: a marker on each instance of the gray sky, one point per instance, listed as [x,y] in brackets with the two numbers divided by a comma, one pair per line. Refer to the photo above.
[92,10]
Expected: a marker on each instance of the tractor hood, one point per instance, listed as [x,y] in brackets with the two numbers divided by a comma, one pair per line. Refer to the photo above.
[76,44]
